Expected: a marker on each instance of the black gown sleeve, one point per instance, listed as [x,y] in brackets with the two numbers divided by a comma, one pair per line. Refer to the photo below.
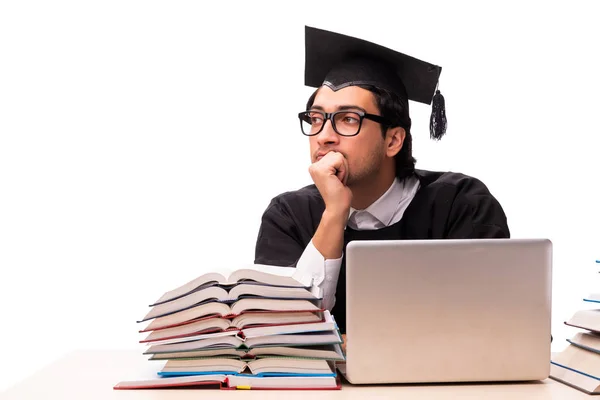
[278,242]
[476,214]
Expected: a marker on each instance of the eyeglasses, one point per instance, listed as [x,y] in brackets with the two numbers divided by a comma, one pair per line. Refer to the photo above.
[344,123]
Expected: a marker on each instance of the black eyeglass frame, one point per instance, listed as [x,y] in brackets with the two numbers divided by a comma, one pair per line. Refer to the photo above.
[329,116]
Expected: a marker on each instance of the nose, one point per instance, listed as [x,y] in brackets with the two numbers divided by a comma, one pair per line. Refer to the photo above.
[327,136]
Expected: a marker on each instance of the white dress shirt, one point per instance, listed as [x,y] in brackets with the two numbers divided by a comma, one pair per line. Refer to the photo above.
[385,211]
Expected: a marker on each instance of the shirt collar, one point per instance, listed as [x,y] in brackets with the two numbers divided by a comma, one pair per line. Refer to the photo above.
[384,207]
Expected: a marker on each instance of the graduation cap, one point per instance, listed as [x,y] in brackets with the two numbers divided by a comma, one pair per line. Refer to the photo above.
[338,61]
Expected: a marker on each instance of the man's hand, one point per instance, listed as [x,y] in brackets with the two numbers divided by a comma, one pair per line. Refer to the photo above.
[344,343]
[330,175]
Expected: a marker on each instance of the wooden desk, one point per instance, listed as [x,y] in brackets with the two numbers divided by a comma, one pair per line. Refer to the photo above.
[92,374]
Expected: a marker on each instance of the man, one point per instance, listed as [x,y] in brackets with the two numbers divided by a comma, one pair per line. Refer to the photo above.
[366,186]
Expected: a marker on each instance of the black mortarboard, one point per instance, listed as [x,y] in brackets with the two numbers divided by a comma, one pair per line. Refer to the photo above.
[338,61]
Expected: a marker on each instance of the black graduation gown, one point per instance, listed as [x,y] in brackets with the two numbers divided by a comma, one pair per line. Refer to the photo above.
[448,205]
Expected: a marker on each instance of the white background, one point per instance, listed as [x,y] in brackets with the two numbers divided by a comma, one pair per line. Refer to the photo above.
[140,142]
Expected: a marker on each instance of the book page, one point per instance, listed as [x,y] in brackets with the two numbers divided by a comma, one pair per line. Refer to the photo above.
[210,365]
[265,291]
[203,362]
[270,275]
[179,317]
[328,352]
[202,326]
[279,318]
[226,352]
[316,382]
[575,379]
[266,274]
[218,342]
[587,319]
[327,325]
[211,277]
[289,365]
[579,359]
[193,338]
[328,337]
[153,382]
[187,301]
[272,305]
[589,341]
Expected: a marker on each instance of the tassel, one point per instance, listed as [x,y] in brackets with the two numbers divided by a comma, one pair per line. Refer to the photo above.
[437,122]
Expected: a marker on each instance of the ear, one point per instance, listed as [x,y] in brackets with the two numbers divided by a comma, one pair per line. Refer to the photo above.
[394,139]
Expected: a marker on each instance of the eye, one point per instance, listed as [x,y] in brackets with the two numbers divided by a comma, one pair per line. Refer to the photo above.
[315,119]
[350,120]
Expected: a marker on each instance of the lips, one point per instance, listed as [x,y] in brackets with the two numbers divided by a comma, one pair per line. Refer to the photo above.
[321,154]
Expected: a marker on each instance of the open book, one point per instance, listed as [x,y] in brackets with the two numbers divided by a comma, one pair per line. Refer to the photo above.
[577,380]
[230,310]
[218,324]
[256,273]
[236,381]
[331,352]
[258,367]
[301,339]
[327,325]
[585,319]
[577,367]
[217,293]
[593,297]
[587,341]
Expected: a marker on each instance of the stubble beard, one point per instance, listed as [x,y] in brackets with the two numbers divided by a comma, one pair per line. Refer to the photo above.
[370,167]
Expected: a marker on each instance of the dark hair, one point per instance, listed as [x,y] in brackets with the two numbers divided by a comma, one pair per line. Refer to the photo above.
[395,109]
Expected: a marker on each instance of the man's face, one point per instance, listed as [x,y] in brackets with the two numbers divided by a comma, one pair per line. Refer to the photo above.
[364,152]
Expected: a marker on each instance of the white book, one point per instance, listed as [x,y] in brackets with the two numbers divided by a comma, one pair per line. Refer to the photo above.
[301,339]
[331,352]
[235,381]
[230,310]
[258,273]
[255,367]
[216,324]
[220,294]
[248,333]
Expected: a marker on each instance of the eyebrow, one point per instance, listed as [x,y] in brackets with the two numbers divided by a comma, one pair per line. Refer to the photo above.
[340,108]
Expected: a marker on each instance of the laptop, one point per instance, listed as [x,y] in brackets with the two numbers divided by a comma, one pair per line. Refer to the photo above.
[464,310]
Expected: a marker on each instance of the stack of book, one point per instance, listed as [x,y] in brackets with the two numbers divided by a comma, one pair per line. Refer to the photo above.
[261,327]
[578,365]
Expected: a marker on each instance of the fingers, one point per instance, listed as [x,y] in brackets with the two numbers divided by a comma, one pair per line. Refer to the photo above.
[338,164]
[330,163]
[344,171]
[330,173]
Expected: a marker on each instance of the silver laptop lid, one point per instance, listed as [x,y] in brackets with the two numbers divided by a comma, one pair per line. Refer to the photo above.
[448,310]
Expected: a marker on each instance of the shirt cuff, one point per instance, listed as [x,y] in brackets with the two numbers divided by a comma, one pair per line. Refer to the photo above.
[325,273]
